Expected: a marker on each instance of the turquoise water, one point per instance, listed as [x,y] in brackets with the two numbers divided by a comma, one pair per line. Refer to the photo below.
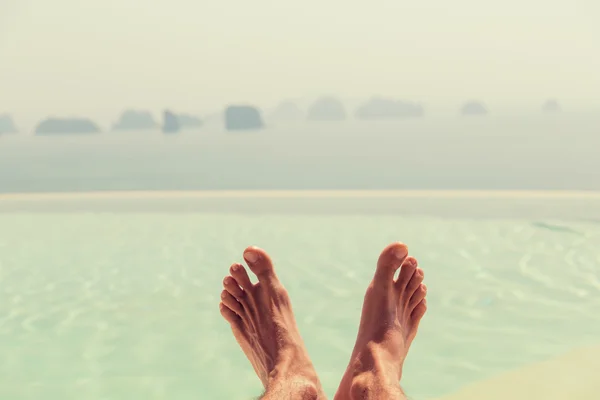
[100,304]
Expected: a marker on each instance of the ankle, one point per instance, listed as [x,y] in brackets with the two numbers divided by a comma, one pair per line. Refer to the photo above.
[295,376]
[297,388]
[369,386]
[372,373]
[307,391]
[363,386]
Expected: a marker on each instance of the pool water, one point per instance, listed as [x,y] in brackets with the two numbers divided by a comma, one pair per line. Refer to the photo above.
[124,305]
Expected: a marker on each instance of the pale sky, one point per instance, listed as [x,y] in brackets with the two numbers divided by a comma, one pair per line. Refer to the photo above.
[95,57]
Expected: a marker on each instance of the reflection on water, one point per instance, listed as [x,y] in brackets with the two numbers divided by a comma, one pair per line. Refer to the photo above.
[121,304]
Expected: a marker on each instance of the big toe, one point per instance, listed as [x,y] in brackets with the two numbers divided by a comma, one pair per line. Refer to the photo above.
[260,263]
[390,260]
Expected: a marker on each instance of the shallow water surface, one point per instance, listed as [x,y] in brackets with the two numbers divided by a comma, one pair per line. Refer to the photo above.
[100,304]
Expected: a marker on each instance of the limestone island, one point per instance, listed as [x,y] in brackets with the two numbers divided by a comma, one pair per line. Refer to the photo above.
[135,120]
[53,126]
[327,109]
[189,121]
[383,108]
[473,108]
[242,118]
[287,111]
[551,106]
[171,122]
[7,124]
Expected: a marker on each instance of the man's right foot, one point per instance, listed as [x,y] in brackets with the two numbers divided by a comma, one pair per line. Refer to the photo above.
[391,313]
[264,325]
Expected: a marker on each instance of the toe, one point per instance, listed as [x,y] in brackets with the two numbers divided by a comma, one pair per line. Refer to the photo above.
[260,263]
[229,315]
[231,285]
[413,284]
[419,311]
[241,276]
[231,302]
[409,267]
[417,297]
[389,261]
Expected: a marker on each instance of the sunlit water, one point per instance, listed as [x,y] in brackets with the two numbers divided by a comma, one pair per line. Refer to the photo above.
[105,302]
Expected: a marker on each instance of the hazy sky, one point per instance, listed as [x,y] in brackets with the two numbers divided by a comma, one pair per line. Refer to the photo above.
[98,56]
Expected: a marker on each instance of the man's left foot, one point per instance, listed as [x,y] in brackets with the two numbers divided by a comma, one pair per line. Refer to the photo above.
[392,311]
[264,326]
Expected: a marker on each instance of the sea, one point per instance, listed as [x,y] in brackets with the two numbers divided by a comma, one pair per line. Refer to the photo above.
[113,248]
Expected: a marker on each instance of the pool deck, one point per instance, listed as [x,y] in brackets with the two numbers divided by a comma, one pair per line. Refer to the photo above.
[573,375]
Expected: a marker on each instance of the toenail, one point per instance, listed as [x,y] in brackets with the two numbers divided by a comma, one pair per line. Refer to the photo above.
[235,267]
[251,256]
[223,294]
[227,281]
[401,252]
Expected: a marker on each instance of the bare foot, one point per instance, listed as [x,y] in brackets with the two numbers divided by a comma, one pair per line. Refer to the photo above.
[391,313]
[263,324]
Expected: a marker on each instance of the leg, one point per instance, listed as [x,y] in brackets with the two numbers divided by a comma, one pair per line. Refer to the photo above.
[391,313]
[264,326]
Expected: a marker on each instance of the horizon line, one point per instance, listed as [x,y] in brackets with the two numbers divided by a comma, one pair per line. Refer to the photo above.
[268,193]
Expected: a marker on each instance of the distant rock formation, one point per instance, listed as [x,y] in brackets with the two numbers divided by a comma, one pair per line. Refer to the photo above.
[473,108]
[382,108]
[287,111]
[52,126]
[327,109]
[242,118]
[7,124]
[135,120]
[189,121]
[551,106]
[171,122]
